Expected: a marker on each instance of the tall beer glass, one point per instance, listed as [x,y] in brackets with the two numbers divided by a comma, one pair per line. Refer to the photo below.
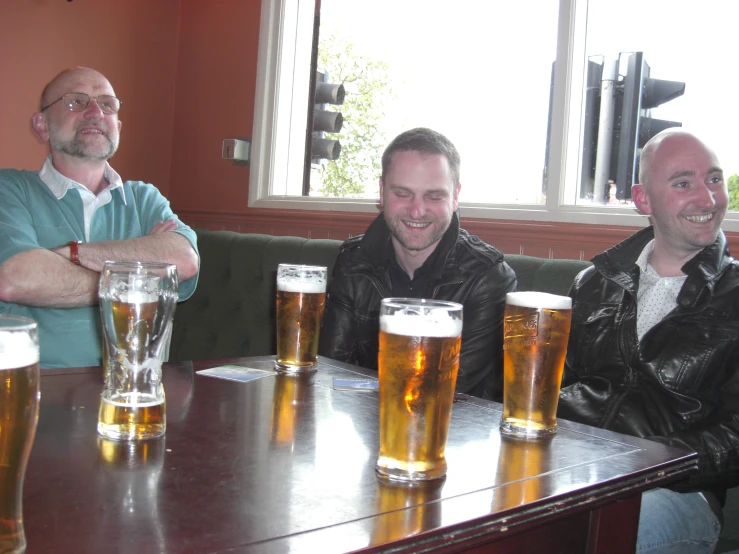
[536,330]
[19,397]
[301,298]
[137,302]
[418,363]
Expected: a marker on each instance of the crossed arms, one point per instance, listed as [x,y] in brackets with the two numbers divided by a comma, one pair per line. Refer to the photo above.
[47,278]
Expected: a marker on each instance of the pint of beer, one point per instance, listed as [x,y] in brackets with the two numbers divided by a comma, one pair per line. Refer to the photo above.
[418,362]
[301,298]
[19,397]
[137,302]
[536,330]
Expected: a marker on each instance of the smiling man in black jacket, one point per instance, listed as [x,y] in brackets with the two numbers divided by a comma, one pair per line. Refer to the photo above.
[415,248]
[654,345]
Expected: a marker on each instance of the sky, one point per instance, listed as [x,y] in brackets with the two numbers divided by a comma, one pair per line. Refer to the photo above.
[480,73]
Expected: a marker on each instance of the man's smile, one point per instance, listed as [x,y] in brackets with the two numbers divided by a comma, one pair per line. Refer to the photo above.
[699,218]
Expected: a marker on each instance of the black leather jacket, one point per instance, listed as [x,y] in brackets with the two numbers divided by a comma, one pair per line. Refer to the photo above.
[679,385]
[467,271]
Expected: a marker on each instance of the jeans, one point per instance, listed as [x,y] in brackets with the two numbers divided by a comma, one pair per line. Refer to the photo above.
[672,522]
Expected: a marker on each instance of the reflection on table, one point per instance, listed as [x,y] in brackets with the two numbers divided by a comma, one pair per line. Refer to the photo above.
[286,463]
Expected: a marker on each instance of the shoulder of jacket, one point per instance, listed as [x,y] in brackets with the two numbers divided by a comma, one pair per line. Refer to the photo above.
[471,248]
[584,276]
[351,244]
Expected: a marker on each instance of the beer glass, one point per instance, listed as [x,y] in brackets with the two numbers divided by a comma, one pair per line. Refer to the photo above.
[418,362]
[536,330]
[137,302]
[19,397]
[301,297]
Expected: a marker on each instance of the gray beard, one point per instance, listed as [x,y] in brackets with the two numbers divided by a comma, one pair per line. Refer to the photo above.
[76,149]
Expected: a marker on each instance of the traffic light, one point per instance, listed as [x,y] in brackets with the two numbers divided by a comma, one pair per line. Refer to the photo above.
[325,121]
[641,94]
[635,94]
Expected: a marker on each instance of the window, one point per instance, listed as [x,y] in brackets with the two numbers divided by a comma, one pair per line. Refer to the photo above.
[495,89]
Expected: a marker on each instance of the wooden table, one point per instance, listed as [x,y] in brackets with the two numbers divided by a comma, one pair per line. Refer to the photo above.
[284,464]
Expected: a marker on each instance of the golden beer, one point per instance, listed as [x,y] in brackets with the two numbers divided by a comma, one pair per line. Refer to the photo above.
[137,302]
[536,331]
[132,416]
[301,298]
[418,362]
[19,397]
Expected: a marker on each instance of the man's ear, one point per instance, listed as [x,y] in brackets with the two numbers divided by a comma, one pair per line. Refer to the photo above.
[40,126]
[456,196]
[641,199]
[382,203]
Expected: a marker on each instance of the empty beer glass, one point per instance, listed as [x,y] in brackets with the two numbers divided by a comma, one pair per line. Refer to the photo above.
[418,362]
[137,302]
[535,335]
[301,298]
[19,397]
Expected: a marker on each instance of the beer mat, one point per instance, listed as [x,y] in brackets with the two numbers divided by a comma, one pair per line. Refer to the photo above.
[356,384]
[235,373]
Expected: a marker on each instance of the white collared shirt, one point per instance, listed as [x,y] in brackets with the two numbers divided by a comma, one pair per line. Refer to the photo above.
[59,185]
[657,295]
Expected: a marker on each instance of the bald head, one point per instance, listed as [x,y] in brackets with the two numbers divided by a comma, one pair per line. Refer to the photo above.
[65,81]
[664,143]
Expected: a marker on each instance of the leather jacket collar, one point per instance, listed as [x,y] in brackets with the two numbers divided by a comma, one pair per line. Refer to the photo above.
[703,270]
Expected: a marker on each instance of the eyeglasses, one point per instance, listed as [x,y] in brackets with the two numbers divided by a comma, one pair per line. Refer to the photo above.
[78,102]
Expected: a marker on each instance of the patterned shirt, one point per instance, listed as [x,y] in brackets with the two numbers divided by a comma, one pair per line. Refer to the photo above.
[657,296]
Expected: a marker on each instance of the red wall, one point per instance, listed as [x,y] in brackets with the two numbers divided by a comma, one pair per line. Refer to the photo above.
[133,42]
[216,78]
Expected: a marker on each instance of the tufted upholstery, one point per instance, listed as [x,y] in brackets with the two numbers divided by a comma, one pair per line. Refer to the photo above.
[232,312]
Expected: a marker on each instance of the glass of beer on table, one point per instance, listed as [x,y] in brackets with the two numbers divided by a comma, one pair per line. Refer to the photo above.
[137,302]
[301,298]
[19,398]
[418,362]
[535,335]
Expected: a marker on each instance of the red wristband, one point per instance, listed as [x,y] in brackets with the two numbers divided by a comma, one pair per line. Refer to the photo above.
[74,253]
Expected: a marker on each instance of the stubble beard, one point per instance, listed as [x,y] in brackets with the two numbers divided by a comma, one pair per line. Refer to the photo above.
[397,227]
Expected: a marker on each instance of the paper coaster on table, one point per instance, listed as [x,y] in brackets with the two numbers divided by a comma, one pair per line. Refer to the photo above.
[235,373]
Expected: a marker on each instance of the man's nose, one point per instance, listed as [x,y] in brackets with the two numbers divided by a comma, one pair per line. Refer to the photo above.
[705,196]
[93,109]
[417,207]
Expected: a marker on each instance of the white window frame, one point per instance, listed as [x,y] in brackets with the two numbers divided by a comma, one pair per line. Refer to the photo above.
[278,137]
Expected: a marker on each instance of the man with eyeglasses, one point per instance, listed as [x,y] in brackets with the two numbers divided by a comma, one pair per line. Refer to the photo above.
[60,224]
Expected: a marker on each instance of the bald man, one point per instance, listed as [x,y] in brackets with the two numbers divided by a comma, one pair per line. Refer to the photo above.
[60,224]
[654,346]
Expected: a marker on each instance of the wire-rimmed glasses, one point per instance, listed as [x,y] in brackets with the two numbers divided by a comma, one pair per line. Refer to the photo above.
[78,102]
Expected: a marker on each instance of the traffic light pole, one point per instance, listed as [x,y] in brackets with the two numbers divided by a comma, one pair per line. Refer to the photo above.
[605,131]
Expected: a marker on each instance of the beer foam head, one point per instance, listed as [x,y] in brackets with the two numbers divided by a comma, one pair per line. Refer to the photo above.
[301,278]
[539,300]
[138,297]
[434,323]
[17,349]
